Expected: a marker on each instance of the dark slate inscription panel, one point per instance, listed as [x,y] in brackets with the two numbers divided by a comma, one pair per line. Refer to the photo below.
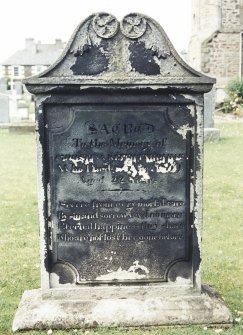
[119,179]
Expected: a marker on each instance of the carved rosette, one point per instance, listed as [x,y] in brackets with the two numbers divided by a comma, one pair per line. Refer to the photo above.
[133,26]
[105,25]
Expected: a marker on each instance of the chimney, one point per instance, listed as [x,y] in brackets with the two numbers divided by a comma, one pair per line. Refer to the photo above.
[30,44]
[59,43]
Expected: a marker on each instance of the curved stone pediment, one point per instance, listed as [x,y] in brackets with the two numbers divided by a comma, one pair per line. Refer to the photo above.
[133,51]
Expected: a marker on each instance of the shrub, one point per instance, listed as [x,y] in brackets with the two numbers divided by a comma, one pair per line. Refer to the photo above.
[234,102]
[235,87]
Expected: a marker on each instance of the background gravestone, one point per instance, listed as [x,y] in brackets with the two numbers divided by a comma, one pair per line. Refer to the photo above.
[120,142]
[4,102]
[4,108]
[210,132]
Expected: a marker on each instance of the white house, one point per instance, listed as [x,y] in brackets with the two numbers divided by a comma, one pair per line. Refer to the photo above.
[33,59]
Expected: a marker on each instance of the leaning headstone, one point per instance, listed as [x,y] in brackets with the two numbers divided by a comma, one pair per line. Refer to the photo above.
[120,143]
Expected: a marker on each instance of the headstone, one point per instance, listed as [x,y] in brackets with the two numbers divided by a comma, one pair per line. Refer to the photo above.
[18,109]
[210,132]
[3,85]
[4,102]
[120,143]
[13,109]
[18,89]
[4,108]
[22,107]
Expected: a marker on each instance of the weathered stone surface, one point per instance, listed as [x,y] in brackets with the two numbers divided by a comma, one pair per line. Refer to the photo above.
[120,143]
[135,51]
[122,221]
[35,313]
[120,157]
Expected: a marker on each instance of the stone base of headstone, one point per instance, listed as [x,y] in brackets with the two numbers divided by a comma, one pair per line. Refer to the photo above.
[36,313]
[22,128]
[4,125]
[211,134]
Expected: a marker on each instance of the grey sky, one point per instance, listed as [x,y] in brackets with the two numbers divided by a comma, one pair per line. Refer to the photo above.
[49,19]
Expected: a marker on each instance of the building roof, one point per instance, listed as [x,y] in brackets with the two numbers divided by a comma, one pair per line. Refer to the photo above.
[36,53]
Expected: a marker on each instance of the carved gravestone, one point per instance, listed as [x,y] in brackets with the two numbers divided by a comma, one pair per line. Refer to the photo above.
[120,140]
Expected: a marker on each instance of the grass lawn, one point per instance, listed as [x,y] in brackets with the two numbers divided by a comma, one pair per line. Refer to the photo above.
[223,228]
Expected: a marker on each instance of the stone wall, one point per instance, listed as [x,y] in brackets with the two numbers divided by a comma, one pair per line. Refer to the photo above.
[230,17]
[215,46]
[220,56]
[205,21]
[205,15]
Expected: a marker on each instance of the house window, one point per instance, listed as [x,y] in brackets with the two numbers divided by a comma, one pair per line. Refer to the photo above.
[16,71]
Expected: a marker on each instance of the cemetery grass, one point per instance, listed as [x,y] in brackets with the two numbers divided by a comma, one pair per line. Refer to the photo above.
[222,237]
